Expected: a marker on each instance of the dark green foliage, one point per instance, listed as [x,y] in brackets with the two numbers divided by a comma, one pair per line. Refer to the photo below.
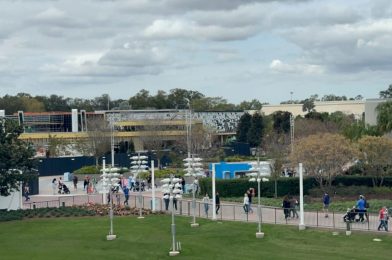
[44,213]
[281,121]
[308,105]
[256,130]
[386,93]
[243,127]
[317,116]
[237,187]
[384,117]
[92,169]
[15,157]
[356,130]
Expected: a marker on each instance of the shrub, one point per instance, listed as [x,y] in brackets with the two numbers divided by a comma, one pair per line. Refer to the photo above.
[87,170]
[237,187]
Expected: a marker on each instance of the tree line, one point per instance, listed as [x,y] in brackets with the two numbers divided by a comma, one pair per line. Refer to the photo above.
[174,99]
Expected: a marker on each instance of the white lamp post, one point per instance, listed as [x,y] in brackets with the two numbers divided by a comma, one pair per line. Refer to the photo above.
[257,176]
[139,165]
[172,186]
[193,168]
[109,182]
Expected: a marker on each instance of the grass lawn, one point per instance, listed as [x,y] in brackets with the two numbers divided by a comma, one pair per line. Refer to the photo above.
[85,238]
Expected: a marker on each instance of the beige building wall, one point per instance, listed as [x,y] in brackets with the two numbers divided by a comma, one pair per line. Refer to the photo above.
[356,107]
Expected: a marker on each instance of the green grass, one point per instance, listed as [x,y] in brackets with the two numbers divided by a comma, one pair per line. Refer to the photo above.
[85,238]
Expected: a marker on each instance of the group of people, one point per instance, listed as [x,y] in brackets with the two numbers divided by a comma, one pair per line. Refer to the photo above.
[247,202]
[59,186]
[290,207]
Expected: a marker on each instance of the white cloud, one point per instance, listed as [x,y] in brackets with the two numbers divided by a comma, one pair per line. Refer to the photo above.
[279,66]
[173,29]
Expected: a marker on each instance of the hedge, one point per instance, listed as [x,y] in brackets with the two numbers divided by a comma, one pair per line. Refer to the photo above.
[237,187]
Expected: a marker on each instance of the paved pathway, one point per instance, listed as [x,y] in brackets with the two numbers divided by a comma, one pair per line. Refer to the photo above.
[228,211]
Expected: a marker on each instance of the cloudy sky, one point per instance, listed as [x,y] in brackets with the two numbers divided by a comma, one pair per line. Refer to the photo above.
[236,49]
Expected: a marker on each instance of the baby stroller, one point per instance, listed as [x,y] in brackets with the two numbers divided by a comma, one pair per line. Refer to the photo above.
[65,189]
[351,215]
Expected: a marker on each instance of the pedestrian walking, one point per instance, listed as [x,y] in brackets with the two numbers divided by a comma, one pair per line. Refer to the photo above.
[250,196]
[383,216]
[85,183]
[361,208]
[166,200]
[217,202]
[54,186]
[245,203]
[126,195]
[293,207]
[75,182]
[206,201]
[326,202]
[286,207]
[26,192]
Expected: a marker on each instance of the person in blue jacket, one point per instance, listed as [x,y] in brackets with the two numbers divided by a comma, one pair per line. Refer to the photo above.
[326,201]
[361,208]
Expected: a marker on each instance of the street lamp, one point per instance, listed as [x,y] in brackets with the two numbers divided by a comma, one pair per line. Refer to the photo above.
[172,186]
[109,183]
[257,176]
[193,168]
[139,165]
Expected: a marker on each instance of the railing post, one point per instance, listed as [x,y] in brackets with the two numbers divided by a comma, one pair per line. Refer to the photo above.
[234,211]
[73,200]
[317,218]
[189,209]
[333,218]
[199,210]
[180,207]
[275,214]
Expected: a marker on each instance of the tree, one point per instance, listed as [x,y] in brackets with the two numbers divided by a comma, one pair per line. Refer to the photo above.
[98,138]
[55,103]
[276,145]
[305,127]
[256,130]
[281,121]
[386,93]
[384,116]
[308,105]
[57,147]
[243,127]
[376,156]
[141,100]
[254,104]
[178,98]
[324,156]
[357,130]
[15,157]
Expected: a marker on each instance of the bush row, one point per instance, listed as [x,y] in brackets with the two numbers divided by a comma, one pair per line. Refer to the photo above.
[237,187]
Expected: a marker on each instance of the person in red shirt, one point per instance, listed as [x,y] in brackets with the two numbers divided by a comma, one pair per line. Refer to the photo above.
[383,216]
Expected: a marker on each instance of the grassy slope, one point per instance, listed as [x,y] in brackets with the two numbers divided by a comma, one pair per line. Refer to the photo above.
[84,238]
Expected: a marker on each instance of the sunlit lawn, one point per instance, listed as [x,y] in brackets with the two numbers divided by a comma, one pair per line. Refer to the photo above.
[149,238]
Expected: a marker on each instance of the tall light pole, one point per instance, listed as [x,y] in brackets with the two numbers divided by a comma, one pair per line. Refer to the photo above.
[257,176]
[172,186]
[193,168]
[138,166]
[109,182]
[292,124]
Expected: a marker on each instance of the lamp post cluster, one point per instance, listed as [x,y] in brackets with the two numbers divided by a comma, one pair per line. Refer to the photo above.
[257,176]
[109,183]
[193,168]
[172,186]
[138,166]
